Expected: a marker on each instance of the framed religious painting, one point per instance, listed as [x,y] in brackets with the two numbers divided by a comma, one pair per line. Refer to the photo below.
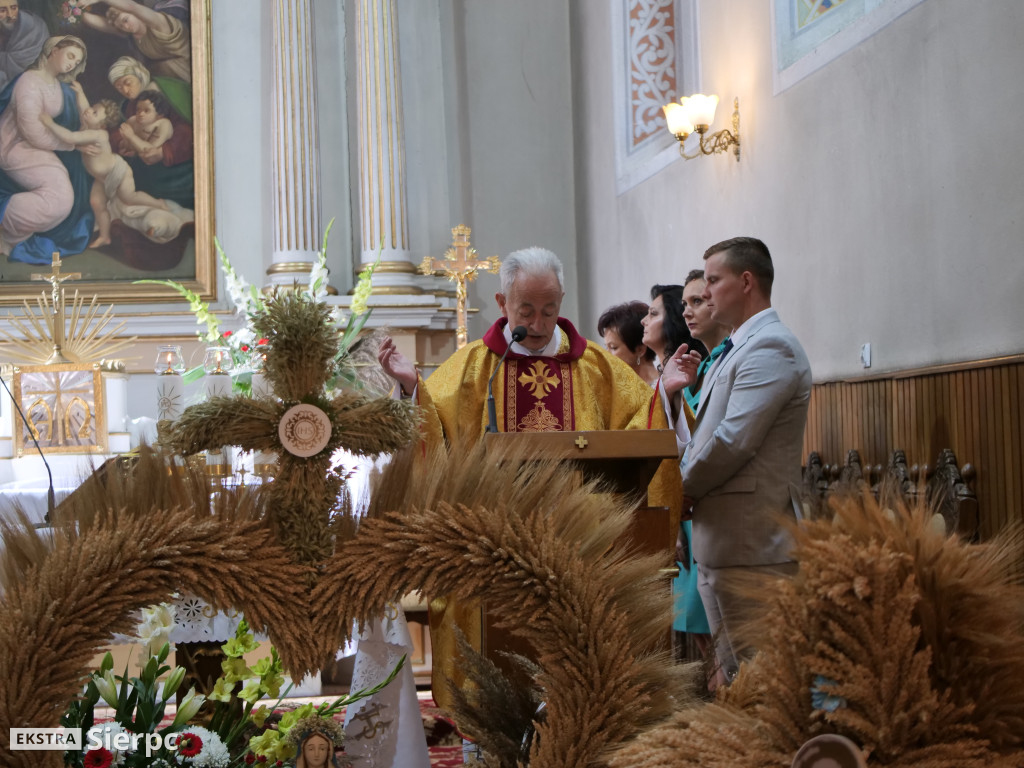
[105,150]
[808,34]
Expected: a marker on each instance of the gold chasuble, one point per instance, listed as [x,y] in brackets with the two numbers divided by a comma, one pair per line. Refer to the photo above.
[581,387]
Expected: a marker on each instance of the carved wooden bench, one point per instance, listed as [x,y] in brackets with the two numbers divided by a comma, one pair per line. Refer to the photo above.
[944,485]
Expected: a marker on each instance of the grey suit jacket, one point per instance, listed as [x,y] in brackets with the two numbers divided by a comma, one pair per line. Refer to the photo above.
[744,458]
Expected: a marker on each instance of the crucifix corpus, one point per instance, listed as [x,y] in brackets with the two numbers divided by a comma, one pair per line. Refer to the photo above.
[460,265]
[56,319]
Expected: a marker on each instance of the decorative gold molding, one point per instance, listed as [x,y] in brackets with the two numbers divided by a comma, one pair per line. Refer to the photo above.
[396,290]
[290,266]
[395,267]
[423,305]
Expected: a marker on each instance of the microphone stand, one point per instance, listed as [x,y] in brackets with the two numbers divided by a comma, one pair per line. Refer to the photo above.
[50,497]
[518,334]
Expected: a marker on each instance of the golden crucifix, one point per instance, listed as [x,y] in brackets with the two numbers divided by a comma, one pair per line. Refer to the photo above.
[459,265]
[55,278]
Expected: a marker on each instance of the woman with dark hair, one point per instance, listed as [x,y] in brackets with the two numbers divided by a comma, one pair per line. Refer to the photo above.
[622,330]
[665,330]
[664,326]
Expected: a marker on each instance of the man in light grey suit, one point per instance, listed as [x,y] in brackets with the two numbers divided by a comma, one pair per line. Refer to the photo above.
[741,469]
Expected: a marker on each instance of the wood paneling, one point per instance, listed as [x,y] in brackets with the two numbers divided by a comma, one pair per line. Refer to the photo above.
[975,409]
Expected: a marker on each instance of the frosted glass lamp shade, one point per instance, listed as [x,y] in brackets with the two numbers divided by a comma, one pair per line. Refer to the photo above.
[676,117]
[700,109]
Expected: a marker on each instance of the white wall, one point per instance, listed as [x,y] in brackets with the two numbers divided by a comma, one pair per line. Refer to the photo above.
[487,105]
[891,218]
[242,38]
[507,133]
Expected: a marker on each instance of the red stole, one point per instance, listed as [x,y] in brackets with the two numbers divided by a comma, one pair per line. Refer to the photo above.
[538,388]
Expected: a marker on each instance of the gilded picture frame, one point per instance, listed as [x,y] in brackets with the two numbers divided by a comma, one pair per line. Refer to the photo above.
[65,408]
[159,236]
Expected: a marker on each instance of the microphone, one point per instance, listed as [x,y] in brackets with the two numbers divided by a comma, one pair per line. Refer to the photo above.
[518,334]
[50,501]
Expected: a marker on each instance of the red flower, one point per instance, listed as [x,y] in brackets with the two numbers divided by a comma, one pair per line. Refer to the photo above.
[226,334]
[189,745]
[98,758]
[261,342]
[245,347]
[250,758]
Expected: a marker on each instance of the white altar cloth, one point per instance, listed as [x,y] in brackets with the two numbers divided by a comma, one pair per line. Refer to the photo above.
[385,730]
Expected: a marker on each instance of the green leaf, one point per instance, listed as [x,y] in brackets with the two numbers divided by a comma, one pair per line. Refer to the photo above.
[326,710]
[193,374]
[355,325]
[198,306]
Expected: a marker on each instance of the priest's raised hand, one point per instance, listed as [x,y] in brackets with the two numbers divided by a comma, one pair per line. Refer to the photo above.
[397,366]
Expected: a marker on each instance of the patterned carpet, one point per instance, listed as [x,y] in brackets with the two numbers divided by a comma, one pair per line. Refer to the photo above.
[443,742]
[446,757]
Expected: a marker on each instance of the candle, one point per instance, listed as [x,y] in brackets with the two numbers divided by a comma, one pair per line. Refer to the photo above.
[218,365]
[260,386]
[217,385]
[170,397]
[264,463]
[170,389]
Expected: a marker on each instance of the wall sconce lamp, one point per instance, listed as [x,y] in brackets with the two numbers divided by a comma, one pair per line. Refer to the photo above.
[697,113]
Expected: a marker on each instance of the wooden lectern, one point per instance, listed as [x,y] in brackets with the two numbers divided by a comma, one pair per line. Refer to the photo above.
[625,460]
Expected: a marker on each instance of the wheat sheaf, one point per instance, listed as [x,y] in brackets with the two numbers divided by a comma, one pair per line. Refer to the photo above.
[542,549]
[916,637]
[119,546]
[544,552]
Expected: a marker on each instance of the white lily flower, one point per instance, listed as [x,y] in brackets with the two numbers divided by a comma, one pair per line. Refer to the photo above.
[107,687]
[188,708]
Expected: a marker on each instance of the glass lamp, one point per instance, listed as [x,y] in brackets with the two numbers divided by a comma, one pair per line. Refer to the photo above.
[218,361]
[169,360]
[258,358]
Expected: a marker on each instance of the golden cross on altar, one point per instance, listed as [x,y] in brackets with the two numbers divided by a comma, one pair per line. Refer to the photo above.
[459,265]
[55,278]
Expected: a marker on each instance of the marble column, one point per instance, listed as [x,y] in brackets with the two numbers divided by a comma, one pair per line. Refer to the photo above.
[296,150]
[381,131]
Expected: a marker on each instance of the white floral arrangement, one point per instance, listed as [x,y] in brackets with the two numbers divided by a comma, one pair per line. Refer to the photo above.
[243,344]
[237,726]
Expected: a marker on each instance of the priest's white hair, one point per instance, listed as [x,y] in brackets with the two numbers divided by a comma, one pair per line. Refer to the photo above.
[531,261]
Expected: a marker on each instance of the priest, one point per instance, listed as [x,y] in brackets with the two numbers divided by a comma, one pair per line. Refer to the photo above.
[553,380]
